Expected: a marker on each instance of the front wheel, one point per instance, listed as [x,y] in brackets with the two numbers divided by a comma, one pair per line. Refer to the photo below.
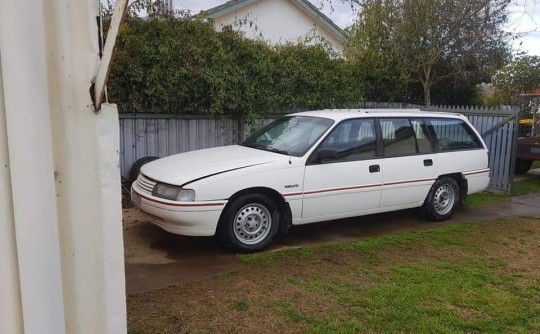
[442,199]
[250,223]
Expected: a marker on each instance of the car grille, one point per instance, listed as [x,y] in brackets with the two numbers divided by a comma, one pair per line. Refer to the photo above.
[145,183]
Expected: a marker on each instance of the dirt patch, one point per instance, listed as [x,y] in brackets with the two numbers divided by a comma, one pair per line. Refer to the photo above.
[155,259]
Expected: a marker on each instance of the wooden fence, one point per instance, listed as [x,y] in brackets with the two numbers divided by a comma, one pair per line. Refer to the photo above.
[499,129]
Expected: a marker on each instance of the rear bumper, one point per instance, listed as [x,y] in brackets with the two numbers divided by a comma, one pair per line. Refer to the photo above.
[477,180]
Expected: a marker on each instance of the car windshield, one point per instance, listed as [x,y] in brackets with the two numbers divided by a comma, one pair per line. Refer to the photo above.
[293,135]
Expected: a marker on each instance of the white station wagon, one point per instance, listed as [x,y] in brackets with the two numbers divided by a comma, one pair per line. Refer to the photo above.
[316,166]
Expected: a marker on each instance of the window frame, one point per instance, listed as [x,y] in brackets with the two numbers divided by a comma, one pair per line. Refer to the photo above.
[383,153]
[426,126]
[467,127]
[312,159]
[425,129]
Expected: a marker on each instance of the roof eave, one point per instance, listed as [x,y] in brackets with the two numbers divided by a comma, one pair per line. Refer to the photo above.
[325,20]
[226,8]
[231,6]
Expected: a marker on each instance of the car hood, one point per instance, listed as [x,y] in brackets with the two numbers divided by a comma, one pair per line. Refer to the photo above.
[187,167]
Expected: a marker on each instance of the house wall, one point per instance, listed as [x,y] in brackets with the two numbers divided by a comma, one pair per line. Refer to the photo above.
[277,21]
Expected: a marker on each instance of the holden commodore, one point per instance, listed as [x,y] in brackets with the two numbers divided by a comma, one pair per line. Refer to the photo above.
[316,166]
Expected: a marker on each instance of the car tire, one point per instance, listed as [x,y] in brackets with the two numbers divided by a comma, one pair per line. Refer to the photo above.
[250,223]
[442,199]
[136,167]
[522,166]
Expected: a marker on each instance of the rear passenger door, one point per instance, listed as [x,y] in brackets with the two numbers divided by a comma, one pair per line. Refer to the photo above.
[408,164]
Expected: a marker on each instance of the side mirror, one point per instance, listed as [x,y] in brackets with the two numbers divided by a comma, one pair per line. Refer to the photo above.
[326,154]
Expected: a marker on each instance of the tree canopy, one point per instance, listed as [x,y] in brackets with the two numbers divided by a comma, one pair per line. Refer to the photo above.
[416,51]
[520,76]
[428,42]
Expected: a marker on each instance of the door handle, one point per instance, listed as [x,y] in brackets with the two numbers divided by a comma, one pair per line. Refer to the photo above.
[374,168]
[428,162]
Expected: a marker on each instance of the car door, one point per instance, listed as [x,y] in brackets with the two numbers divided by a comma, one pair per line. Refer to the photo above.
[409,164]
[343,176]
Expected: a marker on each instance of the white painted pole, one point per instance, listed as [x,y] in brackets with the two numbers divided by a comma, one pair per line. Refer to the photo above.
[106,61]
[86,157]
[64,175]
[26,103]
[10,296]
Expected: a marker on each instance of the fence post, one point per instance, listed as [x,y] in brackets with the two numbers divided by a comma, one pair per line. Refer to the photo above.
[514,154]
[241,129]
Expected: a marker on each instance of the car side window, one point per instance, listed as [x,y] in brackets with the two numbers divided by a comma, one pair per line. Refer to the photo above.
[422,136]
[352,140]
[453,134]
[398,136]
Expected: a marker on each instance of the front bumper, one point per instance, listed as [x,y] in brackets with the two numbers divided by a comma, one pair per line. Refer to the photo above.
[184,218]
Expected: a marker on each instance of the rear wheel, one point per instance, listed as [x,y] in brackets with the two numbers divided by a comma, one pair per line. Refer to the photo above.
[250,223]
[136,167]
[523,166]
[442,199]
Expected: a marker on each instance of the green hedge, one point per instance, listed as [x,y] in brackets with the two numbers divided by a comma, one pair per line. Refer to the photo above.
[185,66]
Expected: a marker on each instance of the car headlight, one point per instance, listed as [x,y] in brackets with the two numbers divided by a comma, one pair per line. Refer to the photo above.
[173,193]
[186,195]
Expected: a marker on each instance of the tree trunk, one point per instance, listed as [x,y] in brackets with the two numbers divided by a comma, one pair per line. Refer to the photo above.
[427,94]
[426,81]
[241,129]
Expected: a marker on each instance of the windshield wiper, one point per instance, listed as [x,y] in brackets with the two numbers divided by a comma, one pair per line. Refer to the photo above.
[276,150]
[266,148]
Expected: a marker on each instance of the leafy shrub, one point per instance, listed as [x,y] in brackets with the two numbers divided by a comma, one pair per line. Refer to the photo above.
[182,65]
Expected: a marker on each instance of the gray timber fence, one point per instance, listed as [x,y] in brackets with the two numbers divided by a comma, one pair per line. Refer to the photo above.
[160,135]
[499,128]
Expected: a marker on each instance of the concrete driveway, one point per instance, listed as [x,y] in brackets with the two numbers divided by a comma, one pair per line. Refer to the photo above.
[156,259]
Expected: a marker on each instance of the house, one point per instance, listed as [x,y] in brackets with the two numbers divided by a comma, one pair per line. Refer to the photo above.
[277,21]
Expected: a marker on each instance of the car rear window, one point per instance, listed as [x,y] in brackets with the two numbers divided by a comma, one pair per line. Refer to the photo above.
[453,134]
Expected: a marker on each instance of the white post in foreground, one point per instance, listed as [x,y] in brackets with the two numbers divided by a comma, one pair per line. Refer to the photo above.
[60,211]
[10,295]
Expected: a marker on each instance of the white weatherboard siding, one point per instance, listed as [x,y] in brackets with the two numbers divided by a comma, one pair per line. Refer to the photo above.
[10,296]
[61,247]
[276,21]
[24,76]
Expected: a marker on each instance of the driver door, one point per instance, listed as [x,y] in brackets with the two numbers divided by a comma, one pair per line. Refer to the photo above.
[345,180]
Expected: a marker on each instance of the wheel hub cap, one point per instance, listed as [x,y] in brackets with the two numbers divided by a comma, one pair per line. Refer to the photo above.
[252,223]
[444,199]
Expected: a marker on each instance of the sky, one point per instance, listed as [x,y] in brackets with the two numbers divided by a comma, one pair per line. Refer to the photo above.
[524,18]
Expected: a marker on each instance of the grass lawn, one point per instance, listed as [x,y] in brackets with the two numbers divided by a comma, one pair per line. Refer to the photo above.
[468,277]
[524,187]
[536,164]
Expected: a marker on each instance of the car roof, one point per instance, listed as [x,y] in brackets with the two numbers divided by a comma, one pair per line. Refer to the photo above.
[341,114]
